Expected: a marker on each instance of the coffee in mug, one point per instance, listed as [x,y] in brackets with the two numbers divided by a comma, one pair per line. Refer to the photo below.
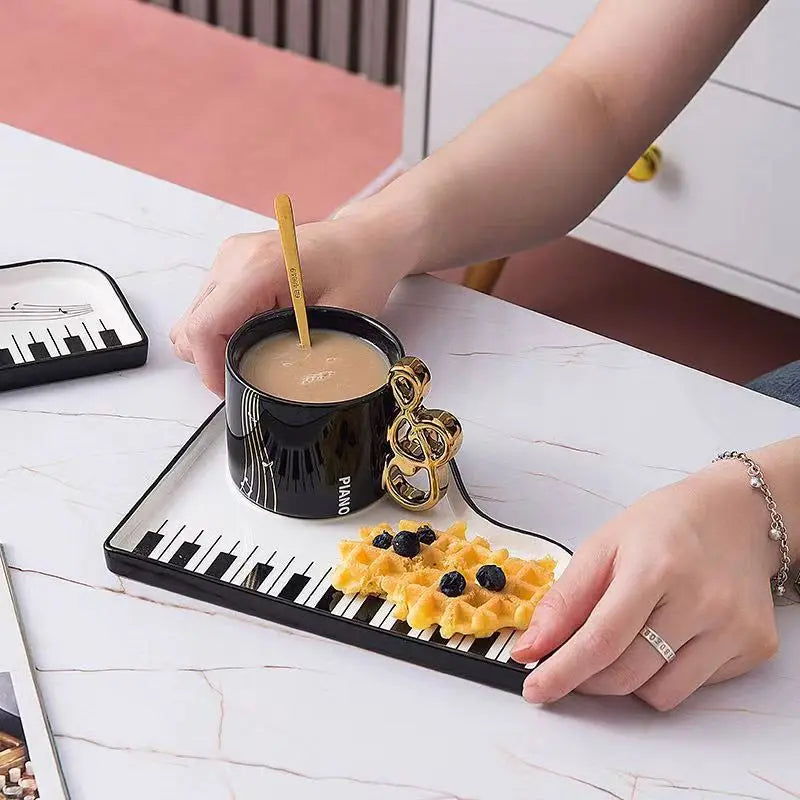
[309,458]
[338,366]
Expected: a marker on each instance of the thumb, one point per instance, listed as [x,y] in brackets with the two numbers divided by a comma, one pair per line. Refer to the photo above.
[568,603]
[211,324]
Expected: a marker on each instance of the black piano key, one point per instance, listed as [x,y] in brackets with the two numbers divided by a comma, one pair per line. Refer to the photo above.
[369,608]
[147,543]
[293,587]
[39,351]
[257,576]
[401,627]
[5,357]
[74,344]
[329,600]
[480,647]
[110,338]
[181,556]
[219,566]
[437,638]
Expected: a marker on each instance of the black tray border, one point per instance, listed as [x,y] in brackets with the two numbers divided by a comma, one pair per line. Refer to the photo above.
[77,365]
[508,676]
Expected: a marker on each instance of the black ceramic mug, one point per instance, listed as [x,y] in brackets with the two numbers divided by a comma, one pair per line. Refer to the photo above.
[309,460]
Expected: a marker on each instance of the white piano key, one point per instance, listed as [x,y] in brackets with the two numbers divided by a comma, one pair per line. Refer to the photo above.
[352,608]
[19,351]
[90,330]
[278,578]
[319,590]
[344,603]
[505,654]
[317,575]
[427,633]
[465,643]
[382,614]
[415,633]
[45,334]
[389,620]
[455,640]
[84,337]
[57,342]
[209,542]
[243,564]
[499,644]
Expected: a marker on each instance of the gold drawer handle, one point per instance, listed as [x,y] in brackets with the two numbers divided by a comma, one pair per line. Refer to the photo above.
[647,166]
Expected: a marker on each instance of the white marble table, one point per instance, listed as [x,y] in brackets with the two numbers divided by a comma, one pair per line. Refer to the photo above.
[154,695]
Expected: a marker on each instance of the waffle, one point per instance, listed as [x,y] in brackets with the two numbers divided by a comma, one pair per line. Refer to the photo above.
[477,612]
[413,583]
[363,566]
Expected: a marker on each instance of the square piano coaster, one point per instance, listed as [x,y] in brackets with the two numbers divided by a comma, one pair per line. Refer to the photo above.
[64,319]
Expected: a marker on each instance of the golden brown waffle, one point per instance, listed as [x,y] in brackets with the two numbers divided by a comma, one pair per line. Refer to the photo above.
[478,611]
[363,566]
[413,583]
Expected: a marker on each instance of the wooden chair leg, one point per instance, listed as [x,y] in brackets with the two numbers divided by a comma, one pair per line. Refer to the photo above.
[483,277]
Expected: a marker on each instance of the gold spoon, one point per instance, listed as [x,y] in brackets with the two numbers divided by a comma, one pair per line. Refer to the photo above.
[285,217]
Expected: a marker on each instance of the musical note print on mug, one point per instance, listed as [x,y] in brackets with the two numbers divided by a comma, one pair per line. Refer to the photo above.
[422,440]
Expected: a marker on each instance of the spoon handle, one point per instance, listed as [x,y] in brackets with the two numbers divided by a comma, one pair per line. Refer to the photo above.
[285,217]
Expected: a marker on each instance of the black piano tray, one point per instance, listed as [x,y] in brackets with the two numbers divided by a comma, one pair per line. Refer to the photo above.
[194,534]
[63,319]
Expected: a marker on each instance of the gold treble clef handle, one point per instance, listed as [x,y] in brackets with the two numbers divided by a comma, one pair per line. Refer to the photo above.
[422,440]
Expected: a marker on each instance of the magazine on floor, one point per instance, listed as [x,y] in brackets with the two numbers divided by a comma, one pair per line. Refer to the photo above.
[29,766]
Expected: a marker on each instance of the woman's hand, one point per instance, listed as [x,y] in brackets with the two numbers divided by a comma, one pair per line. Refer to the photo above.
[343,265]
[693,562]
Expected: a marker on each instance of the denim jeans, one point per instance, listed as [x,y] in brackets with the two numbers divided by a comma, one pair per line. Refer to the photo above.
[782,383]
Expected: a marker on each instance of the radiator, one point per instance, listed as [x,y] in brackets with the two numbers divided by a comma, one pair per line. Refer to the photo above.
[362,36]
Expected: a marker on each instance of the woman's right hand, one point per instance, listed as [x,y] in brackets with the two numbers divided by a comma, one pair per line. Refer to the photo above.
[342,266]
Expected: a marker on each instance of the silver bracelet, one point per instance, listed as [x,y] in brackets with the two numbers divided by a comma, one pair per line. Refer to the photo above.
[777,531]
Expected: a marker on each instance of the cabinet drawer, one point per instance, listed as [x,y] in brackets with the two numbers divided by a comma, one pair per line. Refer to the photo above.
[766,60]
[727,190]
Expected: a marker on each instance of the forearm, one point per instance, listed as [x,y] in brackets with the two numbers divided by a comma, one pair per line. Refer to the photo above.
[537,162]
[527,171]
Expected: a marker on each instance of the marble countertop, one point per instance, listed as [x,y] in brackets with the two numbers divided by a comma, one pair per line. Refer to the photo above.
[152,694]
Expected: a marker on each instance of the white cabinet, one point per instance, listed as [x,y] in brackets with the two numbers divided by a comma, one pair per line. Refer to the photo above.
[723,209]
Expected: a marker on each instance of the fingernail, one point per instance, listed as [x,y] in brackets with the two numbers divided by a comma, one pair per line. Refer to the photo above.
[526,641]
[532,692]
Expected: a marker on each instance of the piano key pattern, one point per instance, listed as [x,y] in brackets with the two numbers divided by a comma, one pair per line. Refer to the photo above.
[42,342]
[302,582]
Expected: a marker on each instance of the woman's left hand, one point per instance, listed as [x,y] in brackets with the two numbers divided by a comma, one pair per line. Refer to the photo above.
[693,562]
